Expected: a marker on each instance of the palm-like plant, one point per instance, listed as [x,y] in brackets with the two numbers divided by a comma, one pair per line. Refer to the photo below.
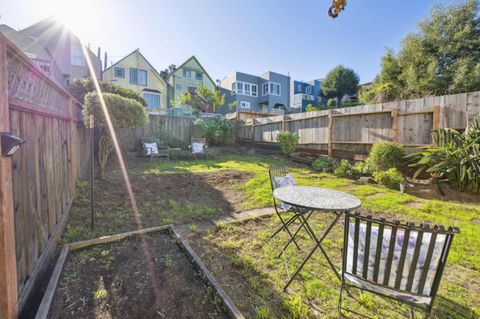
[454,156]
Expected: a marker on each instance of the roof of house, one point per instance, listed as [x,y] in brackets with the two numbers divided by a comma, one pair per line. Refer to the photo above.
[50,27]
[143,57]
[193,57]
[26,43]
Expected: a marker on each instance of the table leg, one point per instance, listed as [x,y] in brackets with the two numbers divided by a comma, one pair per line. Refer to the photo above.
[302,225]
[317,245]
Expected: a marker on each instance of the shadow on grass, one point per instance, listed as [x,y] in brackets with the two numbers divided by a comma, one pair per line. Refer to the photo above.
[447,308]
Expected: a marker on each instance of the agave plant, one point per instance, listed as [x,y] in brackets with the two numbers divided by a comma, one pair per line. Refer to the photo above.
[454,156]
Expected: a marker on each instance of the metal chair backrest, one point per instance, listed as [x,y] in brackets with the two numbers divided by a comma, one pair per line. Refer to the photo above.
[199,140]
[404,258]
[276,171]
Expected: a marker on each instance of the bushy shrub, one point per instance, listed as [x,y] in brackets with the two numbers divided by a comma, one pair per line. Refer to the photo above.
[80,88]
[323,164]
[385,155]
[362,169]
[454,156]
[390,178]
[123,112]
[288,142]
[217,130]
[344,169]
[331,103]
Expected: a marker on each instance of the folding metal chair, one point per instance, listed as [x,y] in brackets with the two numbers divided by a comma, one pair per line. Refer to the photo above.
[278,171]
[403,262]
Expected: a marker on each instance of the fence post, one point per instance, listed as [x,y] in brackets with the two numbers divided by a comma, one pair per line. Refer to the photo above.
[73,140]
[436,117]
[394,125]
[253,132]
[330,133]
[8,265]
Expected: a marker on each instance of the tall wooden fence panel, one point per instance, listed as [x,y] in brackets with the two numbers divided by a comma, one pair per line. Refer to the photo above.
[180,128]
[43,171]
[350,132]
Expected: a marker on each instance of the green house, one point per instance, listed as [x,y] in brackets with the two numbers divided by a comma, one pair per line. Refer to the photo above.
[187,78]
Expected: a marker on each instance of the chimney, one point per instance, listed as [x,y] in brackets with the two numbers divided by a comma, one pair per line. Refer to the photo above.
[105,61]
[98,53]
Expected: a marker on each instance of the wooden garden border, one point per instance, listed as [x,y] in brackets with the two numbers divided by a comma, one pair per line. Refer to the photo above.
[47,299]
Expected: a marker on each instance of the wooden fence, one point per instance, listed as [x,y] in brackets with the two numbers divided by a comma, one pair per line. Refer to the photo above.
[38,182]
[350,132]
[180,128]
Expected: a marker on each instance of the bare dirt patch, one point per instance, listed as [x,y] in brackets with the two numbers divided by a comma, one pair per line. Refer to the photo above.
[375,195]
[161,199]
[413,204]
[427,190]
[114,281]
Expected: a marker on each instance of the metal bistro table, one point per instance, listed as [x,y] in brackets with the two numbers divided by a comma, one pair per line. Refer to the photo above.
[316,199]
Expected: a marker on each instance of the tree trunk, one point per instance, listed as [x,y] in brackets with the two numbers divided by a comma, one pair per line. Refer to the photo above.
[105,147]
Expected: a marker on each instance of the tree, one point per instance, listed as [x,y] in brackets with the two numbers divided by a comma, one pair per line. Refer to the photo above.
[80,88]
[442,57]
[123,112]
[202,100]
[340,81]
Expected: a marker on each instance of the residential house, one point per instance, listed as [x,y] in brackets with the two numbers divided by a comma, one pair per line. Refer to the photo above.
[266,93]
[65,48]
[305,93]
[35,51]
[187,78]
[136,73]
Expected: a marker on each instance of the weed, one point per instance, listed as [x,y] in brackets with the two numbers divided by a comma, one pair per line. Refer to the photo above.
[193,228]
[100,294]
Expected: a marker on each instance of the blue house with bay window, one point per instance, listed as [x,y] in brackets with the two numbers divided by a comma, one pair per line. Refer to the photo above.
[267,93]
[305,93]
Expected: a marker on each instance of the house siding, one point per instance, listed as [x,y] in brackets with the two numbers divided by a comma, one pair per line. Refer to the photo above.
[180,84]
[137,61]
[260,103]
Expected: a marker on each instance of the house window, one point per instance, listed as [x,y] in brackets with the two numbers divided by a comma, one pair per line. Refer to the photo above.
[265,88]
[308,90]
[178,86]
[153,100]
[119,72]
[138,76]
[248,88]
[274,88]
[198,76]
[254,90]
[244,105]
[142,77]
[133,76]
[77,56]
[240,87]
[187,74]
[299,88]
[234,87]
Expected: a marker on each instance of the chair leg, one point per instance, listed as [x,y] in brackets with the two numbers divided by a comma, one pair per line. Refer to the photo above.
[340,300]
[285,227]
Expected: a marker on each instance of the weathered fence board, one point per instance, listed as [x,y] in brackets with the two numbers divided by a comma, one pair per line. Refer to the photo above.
[43,171]
[180,128]
[353,130]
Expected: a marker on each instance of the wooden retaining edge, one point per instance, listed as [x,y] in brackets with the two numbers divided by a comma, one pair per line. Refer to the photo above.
[228,303]
[44,308]
[108,239]
[47,299]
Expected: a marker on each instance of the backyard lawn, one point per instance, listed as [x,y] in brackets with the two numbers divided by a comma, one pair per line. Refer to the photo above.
[245,263]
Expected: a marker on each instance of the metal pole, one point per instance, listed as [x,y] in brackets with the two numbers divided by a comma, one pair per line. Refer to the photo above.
[92,169]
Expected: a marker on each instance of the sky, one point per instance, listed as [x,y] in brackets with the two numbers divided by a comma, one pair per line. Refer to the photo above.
[292,37]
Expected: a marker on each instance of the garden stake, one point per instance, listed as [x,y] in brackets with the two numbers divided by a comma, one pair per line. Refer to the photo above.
[92,168]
